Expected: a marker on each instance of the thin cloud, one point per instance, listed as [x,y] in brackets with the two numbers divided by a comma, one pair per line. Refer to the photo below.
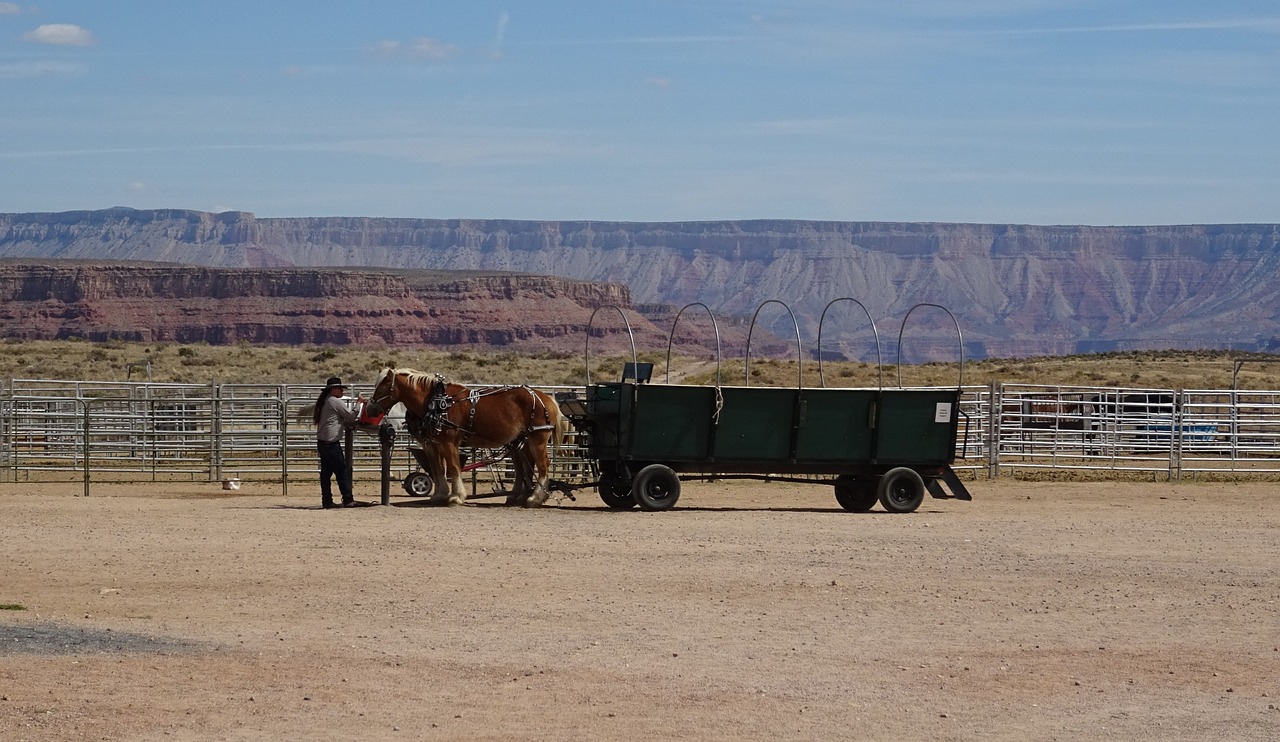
[386,48]
[60,34]
[27,70]
[426,48]
[1229,24]
[420,48]
[501,36]
[9,9]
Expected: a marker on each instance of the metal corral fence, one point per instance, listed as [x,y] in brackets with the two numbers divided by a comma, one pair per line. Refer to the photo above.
[133,432]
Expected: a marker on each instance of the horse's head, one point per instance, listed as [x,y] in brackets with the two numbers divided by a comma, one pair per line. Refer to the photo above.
[403,385]
[385,394]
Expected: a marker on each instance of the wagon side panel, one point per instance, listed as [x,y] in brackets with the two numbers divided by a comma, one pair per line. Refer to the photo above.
[917,426]
[672,423]
[836,425]
[755,424]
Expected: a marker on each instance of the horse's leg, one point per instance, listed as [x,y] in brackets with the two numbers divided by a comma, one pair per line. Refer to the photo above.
[452,457]
[520,487]
[540,468]
[437,469]
[446,472]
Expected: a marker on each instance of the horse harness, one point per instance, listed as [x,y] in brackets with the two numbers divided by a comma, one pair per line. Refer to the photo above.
[436,413]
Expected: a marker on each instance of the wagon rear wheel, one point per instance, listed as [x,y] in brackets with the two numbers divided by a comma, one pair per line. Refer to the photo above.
[615,492]
[855,495]
[655,487]
[901,490]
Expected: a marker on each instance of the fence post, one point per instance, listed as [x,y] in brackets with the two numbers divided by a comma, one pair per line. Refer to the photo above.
[386,437]
[7,415]
[1175,453]
[995,399]
[349,444]
[284,441]
[215,434]
[84,462]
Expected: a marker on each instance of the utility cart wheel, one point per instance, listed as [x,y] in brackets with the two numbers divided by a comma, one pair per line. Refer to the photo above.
[418,484]
[901,490]
[855,495]
[655,487]
[616,492]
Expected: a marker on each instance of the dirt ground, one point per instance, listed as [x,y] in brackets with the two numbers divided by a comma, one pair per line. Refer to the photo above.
[753,610]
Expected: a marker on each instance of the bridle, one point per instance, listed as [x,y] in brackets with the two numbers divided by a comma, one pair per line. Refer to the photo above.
[389,397]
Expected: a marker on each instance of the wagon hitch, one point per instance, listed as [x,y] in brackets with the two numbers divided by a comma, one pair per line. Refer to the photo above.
[565,488]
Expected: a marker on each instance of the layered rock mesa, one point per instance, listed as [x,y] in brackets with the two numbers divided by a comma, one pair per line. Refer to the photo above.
[113,300]
[1015,289]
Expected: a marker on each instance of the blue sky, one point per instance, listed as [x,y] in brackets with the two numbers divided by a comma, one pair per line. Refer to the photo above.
[1019,111]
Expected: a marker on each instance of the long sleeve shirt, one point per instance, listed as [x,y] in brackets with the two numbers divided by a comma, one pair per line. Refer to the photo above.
[334,416]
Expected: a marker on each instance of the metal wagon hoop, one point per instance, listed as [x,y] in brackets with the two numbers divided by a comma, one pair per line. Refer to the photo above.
[959,339]
[874,332]
[671,337]
[799,352]
[586,354]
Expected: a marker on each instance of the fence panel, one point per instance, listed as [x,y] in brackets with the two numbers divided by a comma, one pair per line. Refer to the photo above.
[1088,428]
[1229,432]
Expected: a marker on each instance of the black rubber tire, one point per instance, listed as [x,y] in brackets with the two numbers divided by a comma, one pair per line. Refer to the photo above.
[856,495]
[418,484]
[655,487]
[615,492]
[900,490]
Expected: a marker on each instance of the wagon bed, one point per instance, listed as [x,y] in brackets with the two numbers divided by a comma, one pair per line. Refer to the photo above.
[879,445]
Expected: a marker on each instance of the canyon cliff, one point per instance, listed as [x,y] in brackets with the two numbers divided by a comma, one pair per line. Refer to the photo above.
[156,302]
[1014,289]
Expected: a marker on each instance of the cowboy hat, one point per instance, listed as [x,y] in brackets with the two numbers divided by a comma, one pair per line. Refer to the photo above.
[334,381]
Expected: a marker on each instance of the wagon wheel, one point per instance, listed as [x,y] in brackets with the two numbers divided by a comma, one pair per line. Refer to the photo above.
[901,490]
[655,487]
[615,491]
[855,495]
[418,484]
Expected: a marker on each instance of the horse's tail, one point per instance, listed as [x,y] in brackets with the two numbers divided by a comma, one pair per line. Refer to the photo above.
[563,424]
[307,413]
[559,423]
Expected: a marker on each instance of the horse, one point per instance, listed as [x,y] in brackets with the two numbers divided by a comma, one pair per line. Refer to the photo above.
[445,417]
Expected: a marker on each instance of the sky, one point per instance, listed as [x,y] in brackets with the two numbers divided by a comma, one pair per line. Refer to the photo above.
[1097,112]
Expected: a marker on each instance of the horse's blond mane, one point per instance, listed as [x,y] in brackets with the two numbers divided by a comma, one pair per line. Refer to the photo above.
[412,375]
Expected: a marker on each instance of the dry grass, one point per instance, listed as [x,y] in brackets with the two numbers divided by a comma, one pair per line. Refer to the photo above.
[247,363]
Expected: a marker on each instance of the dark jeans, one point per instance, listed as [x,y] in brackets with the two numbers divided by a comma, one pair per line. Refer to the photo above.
[333,463]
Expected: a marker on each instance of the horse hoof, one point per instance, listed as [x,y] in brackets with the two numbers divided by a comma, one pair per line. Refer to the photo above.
[457,501]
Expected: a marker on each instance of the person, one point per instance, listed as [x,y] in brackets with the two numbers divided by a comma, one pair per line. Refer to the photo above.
[332,417]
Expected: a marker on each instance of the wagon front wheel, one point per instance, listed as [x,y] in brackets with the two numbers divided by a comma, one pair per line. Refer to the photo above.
[655,487]
[615,492]
[855,495]
[901,490]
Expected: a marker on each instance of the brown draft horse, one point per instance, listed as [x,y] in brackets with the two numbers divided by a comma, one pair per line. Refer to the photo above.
[450,416]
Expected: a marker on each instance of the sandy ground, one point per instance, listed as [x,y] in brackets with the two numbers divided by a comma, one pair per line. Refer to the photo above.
[751,611]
